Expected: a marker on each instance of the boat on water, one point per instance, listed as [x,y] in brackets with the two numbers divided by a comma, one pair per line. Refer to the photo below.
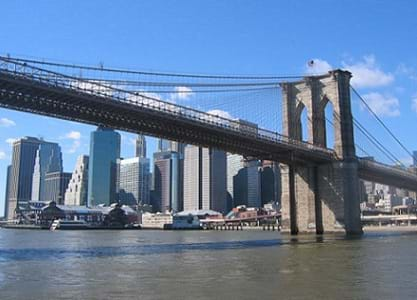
[69,224]
[186,222]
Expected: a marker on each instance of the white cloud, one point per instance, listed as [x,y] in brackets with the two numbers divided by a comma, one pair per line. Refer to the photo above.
[182,93]
[3,155]
[93,87]
[414,103]
[10,141]
[367,73]
[4,122]
[407,161]
[218,116]
[154,101]
[73,135]
[317,66]
[403,69]
[74,147]
[406,70]
[383,105]
[220,113]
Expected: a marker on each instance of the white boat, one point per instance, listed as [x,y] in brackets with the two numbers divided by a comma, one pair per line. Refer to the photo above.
[68,224]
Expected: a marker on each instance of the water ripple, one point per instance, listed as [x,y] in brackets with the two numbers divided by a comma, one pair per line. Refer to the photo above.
[57,253]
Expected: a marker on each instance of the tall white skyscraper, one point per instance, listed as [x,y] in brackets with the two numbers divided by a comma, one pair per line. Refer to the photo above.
[77,190]
[204,179]
[133,181]
[48,160]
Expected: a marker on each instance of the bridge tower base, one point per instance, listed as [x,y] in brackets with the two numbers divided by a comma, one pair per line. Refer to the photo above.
[320,198]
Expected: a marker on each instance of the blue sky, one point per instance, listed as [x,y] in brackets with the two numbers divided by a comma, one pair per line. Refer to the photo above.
[376,40]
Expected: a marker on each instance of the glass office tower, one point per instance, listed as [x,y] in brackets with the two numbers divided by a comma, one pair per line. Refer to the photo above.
[104,152]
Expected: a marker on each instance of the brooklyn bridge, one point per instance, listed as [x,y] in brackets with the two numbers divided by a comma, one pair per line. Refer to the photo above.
[259,117]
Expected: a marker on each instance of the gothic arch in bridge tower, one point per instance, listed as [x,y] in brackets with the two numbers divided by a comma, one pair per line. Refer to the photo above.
[325,122]
[302,123]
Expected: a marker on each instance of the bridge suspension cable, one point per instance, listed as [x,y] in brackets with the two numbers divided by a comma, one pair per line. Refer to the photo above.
[367,134]
[382,123]
[117,70]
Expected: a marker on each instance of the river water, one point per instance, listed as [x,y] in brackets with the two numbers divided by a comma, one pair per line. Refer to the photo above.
[205,265]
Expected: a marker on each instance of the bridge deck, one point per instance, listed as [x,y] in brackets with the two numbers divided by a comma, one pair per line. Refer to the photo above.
[141,114]
[30,89]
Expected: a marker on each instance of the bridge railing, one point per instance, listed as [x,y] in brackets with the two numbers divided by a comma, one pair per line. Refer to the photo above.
[148,101]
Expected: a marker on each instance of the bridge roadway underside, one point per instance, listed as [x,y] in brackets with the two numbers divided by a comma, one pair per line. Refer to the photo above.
[26,95]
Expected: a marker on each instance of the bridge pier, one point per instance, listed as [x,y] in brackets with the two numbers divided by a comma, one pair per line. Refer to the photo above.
[321,199]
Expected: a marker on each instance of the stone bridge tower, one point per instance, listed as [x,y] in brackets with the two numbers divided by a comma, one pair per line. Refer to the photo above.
[321,198]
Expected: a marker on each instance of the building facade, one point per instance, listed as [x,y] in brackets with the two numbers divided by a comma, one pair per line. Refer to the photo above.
[167,145]
[168,181]
[270,182]
[48,160]
[77,189]
[21,175]
[133,181]
[164,145]
[7,191]
[104,152]
[140,149]
[243,181]
[56,184]
[205,181]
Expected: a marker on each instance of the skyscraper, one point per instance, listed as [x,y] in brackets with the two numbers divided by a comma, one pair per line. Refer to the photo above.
[6,194]
[270,182]
[23,162]
[133,181]
[234,164]
[48,160]
[104,151]
[140,146]
[164,145]
[167,145]
[168,185]
[415,158]
[77,190]
[55,185]
[177,147]
[205,180]
[243,181]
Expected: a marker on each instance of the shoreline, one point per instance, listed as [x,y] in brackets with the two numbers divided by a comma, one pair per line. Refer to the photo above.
[411,228]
